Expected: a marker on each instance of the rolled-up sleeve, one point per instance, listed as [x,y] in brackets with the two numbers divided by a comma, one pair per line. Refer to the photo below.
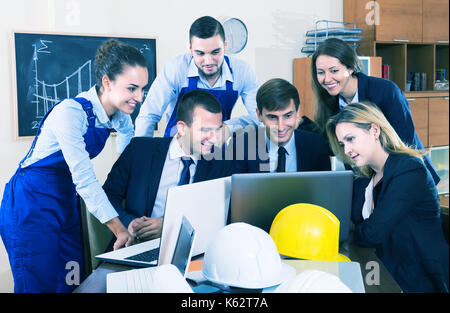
[162,94]
[68,125]
[125,132]
[245,77]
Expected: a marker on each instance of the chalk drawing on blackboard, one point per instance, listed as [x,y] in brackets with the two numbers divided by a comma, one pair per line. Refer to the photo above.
[52,67]
[43,100]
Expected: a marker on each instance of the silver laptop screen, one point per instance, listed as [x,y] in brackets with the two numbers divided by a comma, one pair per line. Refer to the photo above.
[183,246]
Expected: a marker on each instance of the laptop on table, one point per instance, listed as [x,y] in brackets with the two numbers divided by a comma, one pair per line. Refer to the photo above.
[257,198]
[143,254]
[164,278]
[205,204]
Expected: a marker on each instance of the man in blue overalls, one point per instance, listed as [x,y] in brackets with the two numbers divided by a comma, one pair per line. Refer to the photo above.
[205,67]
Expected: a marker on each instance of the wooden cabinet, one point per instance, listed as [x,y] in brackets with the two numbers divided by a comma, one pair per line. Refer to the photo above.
[399,20]
[430,115]
[411,36]
[419,112]
[393,55]
[435,20]
[302,81]
[438,121]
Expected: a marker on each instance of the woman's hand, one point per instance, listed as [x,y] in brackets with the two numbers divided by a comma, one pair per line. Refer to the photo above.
[123,237]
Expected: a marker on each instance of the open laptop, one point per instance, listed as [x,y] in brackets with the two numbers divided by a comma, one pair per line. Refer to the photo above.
[257,198]
[143,254]
[206,206]
[164,278]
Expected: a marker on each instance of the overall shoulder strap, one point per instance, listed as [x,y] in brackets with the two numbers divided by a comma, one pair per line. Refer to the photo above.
[88,108]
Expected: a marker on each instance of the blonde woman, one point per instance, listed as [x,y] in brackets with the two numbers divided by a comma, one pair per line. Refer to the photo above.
[398,213]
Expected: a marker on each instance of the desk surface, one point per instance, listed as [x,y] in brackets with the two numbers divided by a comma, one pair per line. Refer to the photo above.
[96,282]
[444,200]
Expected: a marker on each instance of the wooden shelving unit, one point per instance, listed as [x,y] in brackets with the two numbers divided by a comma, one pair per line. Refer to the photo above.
[410,36]
[410,57]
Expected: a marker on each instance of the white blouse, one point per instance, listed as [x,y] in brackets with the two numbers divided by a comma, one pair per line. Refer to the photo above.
[368,203]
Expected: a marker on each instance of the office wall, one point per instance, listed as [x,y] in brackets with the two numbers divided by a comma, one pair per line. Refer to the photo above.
[276,35]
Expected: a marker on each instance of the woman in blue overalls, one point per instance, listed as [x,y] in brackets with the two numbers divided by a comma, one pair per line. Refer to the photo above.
[39,216]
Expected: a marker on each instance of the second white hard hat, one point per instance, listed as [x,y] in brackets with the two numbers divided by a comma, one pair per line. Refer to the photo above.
[313,281]
[244,256]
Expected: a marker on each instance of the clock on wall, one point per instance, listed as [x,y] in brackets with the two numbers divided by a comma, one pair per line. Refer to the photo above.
[236,35]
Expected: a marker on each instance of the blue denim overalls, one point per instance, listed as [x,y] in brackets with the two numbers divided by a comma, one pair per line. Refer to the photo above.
[40,220]
[227,98]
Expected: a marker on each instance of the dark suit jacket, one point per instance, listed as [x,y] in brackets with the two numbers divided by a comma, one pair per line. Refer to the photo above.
[405,226]
[135,176]
[392,102]
[312,152]
[308,125]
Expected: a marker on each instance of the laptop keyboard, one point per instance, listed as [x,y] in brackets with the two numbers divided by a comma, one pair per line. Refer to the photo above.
[140,280]
[147,256]
[164,278]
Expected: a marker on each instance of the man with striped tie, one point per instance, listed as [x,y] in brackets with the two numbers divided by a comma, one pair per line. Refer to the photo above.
[138,182]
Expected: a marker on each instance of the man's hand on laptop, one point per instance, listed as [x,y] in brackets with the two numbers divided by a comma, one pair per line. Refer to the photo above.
[145,228]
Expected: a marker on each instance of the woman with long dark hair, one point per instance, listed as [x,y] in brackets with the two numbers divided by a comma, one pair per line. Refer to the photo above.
[338,81]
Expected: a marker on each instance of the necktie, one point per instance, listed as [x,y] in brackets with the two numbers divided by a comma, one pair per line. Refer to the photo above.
[281,167]
[185,176]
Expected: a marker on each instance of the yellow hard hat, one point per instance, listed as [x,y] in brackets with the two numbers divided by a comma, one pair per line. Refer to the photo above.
[307,231]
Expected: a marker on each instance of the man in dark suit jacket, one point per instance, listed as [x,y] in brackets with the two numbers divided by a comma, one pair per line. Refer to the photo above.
[279,146]
[138,182]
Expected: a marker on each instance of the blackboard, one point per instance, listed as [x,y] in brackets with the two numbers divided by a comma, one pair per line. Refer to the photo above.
[52,67]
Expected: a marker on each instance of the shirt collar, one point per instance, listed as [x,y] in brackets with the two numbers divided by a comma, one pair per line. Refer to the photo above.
[342,102]
[100,112]
[176,152]
[273,149]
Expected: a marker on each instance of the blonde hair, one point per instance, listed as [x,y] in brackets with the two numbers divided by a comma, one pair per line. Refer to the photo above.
[363,115]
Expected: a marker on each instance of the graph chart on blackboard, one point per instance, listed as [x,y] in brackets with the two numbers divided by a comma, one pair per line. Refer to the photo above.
[52,67]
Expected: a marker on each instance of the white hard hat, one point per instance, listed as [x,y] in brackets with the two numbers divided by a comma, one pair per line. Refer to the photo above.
[313,281]
[244,256]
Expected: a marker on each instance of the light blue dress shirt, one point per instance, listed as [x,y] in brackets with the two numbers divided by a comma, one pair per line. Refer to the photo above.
[291,154]
[63,130]
[342,102]
[170,176]
[163,94]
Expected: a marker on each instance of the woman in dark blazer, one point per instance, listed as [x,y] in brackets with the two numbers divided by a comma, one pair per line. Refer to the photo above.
[338,81]
[398,213]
